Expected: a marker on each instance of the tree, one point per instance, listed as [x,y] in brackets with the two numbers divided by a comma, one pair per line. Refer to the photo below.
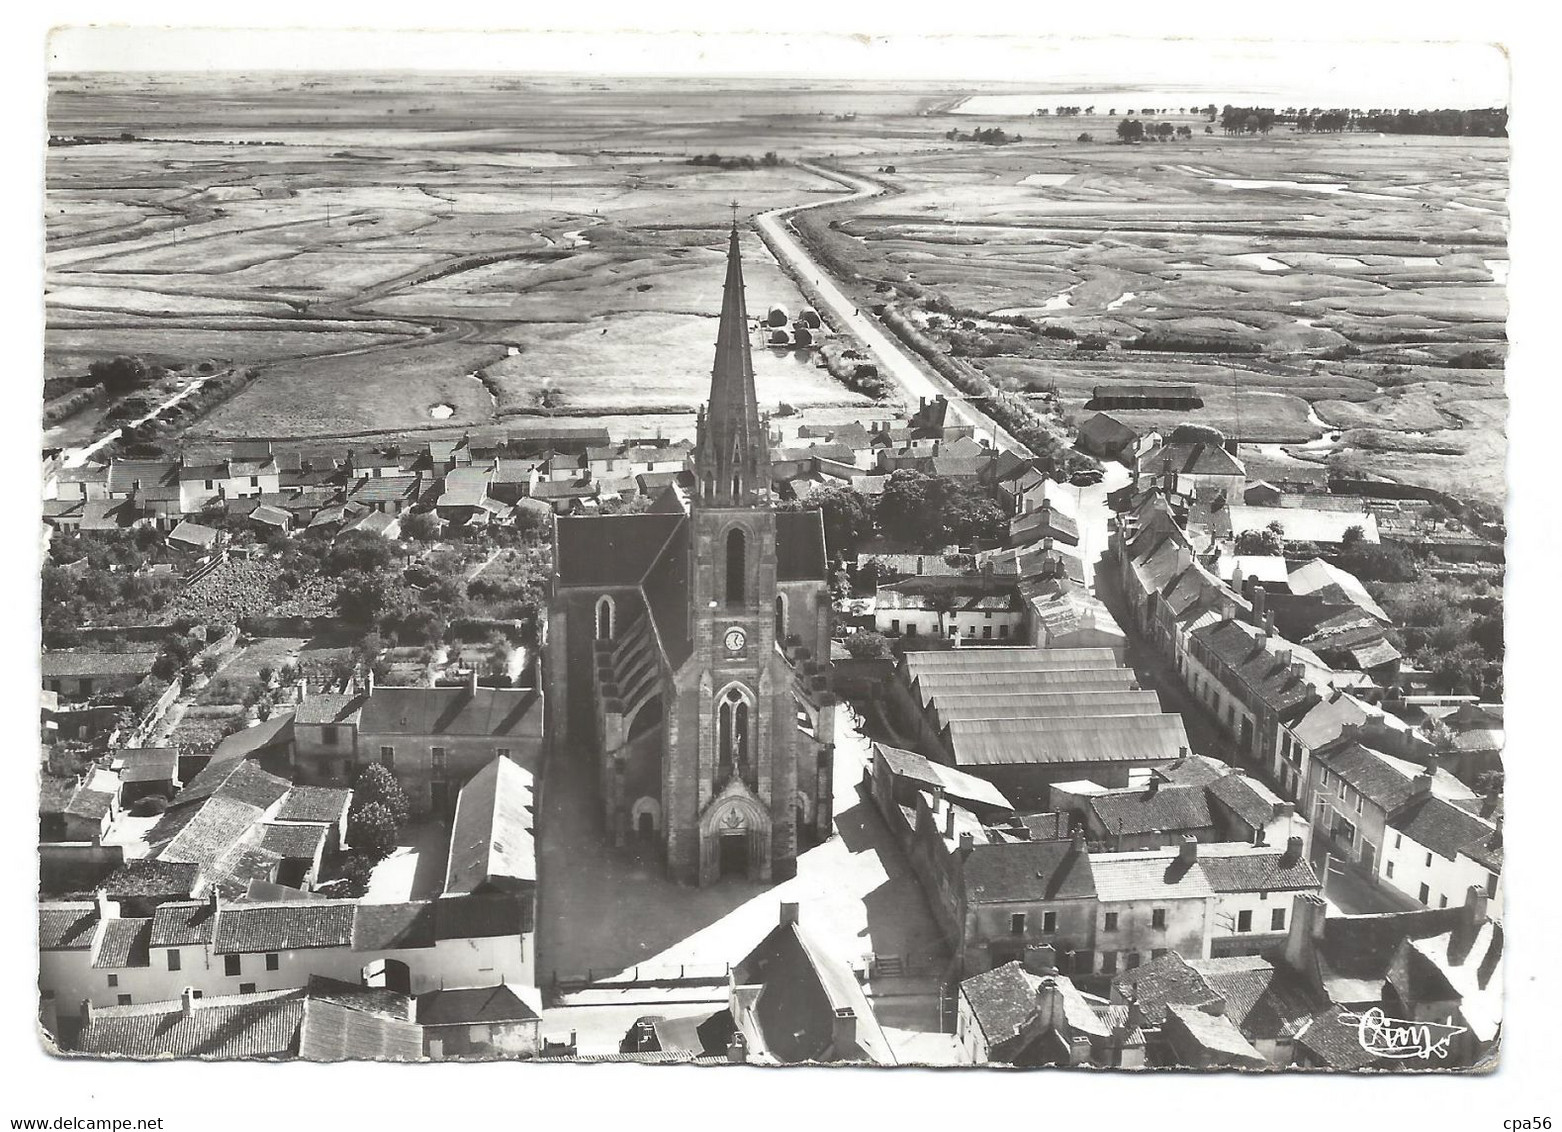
[1085,139]
[1352,537]
[361,596]
[377,784]
[847,514]
[865,644]
[1265,542]
[372,829]
[120,375]
[357,550]
[423,527]
[1130,130]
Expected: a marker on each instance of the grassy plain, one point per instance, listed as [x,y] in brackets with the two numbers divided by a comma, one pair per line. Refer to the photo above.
[381,246]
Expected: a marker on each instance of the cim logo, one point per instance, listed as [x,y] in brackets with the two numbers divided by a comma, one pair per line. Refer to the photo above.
[1399,1038]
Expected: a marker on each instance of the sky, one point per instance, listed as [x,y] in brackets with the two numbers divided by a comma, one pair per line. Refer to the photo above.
[1400,74]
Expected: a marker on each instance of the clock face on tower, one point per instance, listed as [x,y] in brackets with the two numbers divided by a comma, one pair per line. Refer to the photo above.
[734,639]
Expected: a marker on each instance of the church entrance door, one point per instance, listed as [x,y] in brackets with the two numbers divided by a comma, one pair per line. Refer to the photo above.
[733,858]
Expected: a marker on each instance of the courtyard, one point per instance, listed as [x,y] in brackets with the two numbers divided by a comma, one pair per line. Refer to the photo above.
[612,918]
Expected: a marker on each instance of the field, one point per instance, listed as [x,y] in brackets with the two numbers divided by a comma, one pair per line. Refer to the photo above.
[400,255]
[1320,290]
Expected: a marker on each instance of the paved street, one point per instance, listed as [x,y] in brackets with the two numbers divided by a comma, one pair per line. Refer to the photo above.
[896,362]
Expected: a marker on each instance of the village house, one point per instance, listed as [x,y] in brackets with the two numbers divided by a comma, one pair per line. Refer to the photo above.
[973,609]
[1356,792]
[1105,437]
[478,1022]
[1199,454]
[433,739]
[1010,1016]
[793,1001]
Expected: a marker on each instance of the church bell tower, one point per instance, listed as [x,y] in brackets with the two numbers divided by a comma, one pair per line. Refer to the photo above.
[747,765]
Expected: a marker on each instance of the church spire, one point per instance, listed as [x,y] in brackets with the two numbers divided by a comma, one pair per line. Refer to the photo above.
[732,458]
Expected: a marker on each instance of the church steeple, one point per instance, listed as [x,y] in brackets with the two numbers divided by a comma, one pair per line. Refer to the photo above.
[732,455]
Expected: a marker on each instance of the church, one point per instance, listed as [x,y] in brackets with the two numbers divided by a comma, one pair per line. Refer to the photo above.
[688,646]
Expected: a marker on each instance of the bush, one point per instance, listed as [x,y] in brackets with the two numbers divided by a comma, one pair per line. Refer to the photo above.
[377,784]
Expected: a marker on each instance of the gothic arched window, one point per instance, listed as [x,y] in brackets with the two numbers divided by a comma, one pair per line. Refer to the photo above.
[733,724]
[737,565]
[780,617]
[605,618]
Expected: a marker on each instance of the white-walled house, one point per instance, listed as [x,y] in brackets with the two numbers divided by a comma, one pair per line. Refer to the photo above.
[1435,851]
[241,948]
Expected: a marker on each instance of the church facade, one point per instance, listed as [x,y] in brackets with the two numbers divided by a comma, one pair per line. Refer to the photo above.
[687,649]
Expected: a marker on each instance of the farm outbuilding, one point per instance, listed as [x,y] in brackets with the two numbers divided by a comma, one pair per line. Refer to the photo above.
[780,338]
[777,317]
[809,318]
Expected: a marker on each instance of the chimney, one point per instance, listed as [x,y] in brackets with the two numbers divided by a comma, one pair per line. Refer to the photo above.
[844,1031]
[1301,941]
[1216,1008]
[1077,840]
[967,843]
[1269,621]
[369,683]
[107,909]
[86,1013]
[1136,1019]
[1258,600]
[471,684]
[1421,785]
[1188,851]
[187,1002]
[789,913]
[1496,837]
[949,820]
[1049,1006]
[303,688]
[1475,902]
[1154,787]
[1293,852]
[737,1048]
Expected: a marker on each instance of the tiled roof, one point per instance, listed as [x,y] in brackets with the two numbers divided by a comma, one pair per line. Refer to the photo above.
[93,663]
[392,927]
[302,842]
[489,712]
[1162,981]
[314,803]
[1167,808]
[183,924]
[193,533]
[1257,666]
[334,1032]
[66,927]
[1335,1043]
[1191,458]
[328,707]
[1153,875]
[1214,1033]
[1442,827]
[1195,770]
[473,1005]
[1236,867]
[150,877]
[283,927]
[1263,1001]
[491,834]
[124,943]
[955,784]
[1246,798]
[1001,999]
[1028,870]
[147,764]
[800,553]
[356,996]
[203,834]
[236,1026]
[276,730]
